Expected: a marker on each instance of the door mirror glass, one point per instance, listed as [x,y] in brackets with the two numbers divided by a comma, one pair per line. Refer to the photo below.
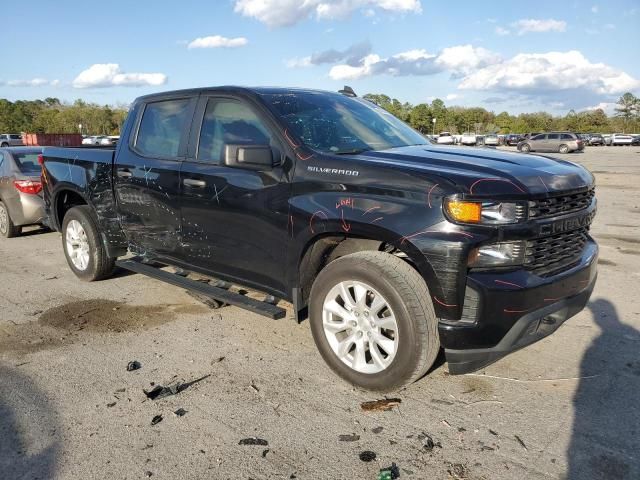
[254,157]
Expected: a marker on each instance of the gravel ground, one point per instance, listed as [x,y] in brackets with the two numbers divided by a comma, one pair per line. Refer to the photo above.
[566,407]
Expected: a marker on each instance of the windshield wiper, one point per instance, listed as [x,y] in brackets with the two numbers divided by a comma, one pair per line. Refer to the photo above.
[355,151]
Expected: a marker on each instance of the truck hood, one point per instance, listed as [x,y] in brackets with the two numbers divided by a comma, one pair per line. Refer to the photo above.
[485,171]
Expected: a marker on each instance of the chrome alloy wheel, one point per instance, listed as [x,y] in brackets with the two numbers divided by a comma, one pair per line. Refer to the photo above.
[77,245]
[360,327]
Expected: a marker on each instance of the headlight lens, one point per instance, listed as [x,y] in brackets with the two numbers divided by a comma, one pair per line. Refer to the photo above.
[488,213]
[497,255]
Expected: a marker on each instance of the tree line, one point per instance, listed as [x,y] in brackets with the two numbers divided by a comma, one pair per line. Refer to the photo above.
[479,120]
[53,116]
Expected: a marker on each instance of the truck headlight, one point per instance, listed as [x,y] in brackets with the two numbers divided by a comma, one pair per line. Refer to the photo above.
[484,212]
[497,255]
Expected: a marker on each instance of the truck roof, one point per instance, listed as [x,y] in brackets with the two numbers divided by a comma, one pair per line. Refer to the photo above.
[235,88]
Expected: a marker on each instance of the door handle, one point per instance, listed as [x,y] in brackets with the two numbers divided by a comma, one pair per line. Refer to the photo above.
[192,182]
[124,173]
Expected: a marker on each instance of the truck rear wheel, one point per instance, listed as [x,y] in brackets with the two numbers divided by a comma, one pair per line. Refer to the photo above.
[83,247]
[373,321]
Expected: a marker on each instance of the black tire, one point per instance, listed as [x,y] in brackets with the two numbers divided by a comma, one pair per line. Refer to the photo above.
[408,296]
[525,148]
[563,148]
[4,145]
[8,230]
[100,265]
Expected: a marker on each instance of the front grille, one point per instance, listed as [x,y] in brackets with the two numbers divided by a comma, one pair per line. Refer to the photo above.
[550,255]
[561,204]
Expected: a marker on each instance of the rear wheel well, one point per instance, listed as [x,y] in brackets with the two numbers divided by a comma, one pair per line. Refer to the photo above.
[65,201]
[327,249]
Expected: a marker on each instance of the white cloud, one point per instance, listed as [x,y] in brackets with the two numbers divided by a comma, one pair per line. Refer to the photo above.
[281,13]
[34,82]
[608,107]
[109,75]
[530,25]
[298,62]
[217,41]
[594,9]
[453,96]
[459,60]
[463,59]
[550,72]
[502,31]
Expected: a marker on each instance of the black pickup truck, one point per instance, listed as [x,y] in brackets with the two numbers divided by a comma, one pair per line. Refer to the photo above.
[393,247]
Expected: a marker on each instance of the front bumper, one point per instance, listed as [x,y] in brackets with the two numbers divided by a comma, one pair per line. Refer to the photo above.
[516,309]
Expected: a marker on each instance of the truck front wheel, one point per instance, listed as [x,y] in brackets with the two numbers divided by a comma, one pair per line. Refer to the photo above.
[83,247]
[373,321]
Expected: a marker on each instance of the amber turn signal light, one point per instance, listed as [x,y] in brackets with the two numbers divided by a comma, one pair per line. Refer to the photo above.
[467,212]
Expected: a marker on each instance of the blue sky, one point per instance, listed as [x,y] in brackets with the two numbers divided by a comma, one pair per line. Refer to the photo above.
[502,56]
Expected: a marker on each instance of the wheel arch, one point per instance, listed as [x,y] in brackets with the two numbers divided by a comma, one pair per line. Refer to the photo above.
[323,248]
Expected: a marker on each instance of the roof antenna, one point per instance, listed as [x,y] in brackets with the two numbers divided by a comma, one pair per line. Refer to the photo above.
[347,91]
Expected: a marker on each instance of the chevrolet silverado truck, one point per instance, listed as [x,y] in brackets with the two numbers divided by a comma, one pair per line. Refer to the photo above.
[394,247]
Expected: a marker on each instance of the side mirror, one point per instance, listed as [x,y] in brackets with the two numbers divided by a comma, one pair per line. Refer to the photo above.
[253,157]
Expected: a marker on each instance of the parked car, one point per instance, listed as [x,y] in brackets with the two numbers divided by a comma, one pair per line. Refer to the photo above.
[491,140]
[110,140]
[607,139]
[618,139]
[562,142]
[513,139]
[596,140]
[10,140]
[93,140]
[445,138]
[468,139]
[21,201]
[635,141]
[394,246]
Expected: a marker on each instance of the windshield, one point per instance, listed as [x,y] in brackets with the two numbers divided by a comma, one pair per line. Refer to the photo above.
[27,162]
[337,124]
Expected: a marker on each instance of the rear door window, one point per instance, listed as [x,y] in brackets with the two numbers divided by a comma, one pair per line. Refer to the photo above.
[554,136]
[567,136]
[161,128]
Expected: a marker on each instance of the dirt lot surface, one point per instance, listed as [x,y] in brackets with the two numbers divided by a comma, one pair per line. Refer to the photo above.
[566,407]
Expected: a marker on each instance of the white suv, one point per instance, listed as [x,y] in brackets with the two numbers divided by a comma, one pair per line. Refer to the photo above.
[445,138]
[468,139]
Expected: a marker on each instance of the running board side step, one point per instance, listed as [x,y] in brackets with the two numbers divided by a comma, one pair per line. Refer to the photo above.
[225,296]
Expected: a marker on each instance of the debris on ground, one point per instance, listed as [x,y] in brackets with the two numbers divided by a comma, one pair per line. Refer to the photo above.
[112,404]
[492,432]
[254,387]
[217,360]
[457,470]
[383,405]
[429,444]
[389,473]
[181,412]
[148,474]
[521,442]
[157,419]
[446,424]
[133,365]
[253,441]
[377,429]
[367,456]
[349,438]
[208,301]
[160,391]
[264,452]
